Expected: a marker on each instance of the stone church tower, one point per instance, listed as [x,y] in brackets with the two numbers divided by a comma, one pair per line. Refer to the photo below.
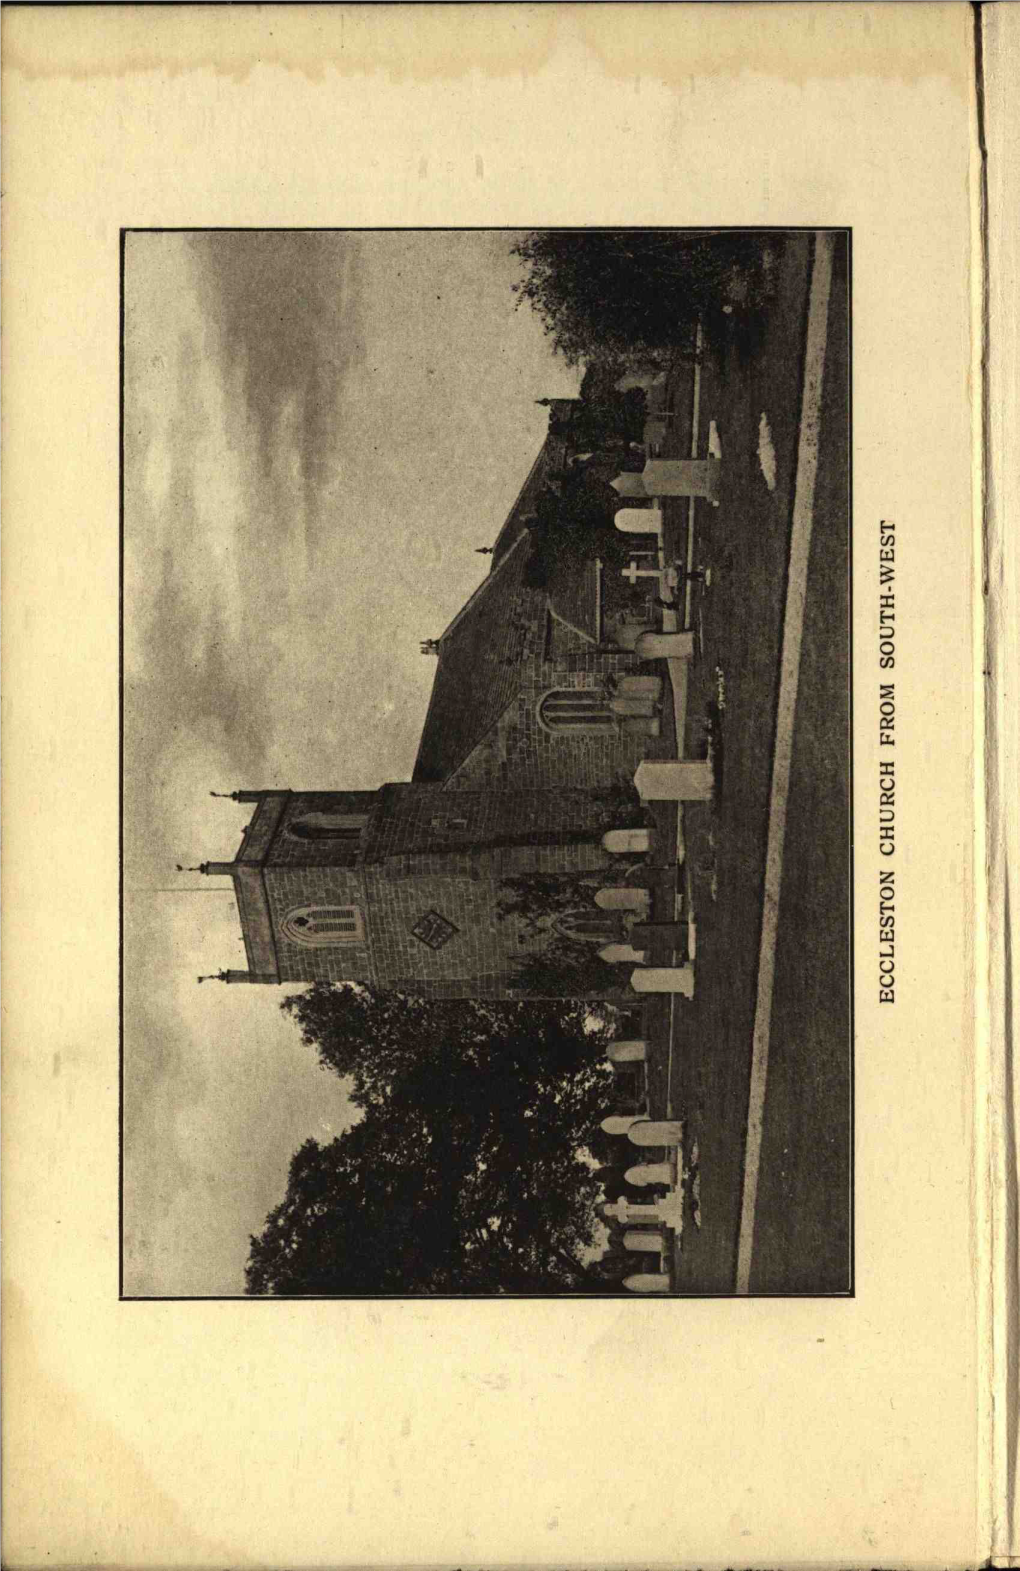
[399,887]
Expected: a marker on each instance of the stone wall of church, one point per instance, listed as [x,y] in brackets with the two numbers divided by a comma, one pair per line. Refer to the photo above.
[520,752]
[461,935]
[425,829]
[291,887]
[493,985]
[292,850]
[436,862]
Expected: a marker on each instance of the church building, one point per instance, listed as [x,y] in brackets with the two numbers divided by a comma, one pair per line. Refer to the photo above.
[526,750]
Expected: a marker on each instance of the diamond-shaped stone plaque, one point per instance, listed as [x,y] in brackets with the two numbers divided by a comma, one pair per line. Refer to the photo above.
[434,930]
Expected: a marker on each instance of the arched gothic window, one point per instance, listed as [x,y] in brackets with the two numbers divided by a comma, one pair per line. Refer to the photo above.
[318,927]
[328,826]
[575,709]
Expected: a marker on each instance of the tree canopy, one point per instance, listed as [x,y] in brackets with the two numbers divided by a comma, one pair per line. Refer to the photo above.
[606,293]
[377,1038]
[574,523]
[465,1173]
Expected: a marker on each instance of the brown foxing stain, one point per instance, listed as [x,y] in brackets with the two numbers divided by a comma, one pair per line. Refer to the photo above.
[101,1503]
[425,44]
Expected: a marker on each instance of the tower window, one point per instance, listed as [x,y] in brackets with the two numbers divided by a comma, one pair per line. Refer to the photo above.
[318,926]
[328,826]
[575,709]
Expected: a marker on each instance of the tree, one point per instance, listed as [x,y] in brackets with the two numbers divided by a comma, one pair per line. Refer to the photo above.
[606,414]
[535,900]
[563,968]
[465,1175]
[608,293]
[572,524]
[378,1038]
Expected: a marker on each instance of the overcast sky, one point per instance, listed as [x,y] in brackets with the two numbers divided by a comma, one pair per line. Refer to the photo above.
[319,429]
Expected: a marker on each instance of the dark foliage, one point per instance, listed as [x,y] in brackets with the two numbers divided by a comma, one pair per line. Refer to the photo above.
[606,415]
[573,523]
[565,968]
[535,898]
[377,1038]
[603,294]
[463,1174]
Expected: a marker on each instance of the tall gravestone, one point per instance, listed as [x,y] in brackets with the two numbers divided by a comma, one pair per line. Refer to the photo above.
[621,897]
[664,979]
[620,1123]
[646,1243]
[626,842]
[628,1050]
[682,477]
[655,1132]
[647,1282]
[645,1173]
[674,779]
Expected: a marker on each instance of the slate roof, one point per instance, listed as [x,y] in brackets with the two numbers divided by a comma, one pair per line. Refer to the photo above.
[482,652]
[480,657]
[574,597]
[551,456]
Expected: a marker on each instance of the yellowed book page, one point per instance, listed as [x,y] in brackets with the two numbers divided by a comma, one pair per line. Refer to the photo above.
[848,1430]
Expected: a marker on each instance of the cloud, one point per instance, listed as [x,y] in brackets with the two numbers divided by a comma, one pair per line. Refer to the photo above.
[283,310]
[319,428]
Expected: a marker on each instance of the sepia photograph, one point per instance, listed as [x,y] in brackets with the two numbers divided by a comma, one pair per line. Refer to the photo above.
[486,830]
[502,552]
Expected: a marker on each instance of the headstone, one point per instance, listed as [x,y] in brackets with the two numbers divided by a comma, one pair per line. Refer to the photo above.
[626,634]
[639,520]
[627,841]
[666,1212]
[633,725]
[629,484]
[654,431]
[621,897]
[655,1132]
[664,979]
[674,779]
[622,954]
[631,1050]
[664,646]
[646,1173]
[647,1282]
[621,1123]
[644,1243]
[639,705]
[624,1210]
[632,572]
[671,935]
[682,477]
[639,687]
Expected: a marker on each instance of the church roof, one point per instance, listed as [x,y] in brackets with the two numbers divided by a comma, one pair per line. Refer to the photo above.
[480,657]
[552,455]
[482,652]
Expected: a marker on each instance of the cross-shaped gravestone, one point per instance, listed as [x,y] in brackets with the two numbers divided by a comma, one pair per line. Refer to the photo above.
[633,572]
[624,1210]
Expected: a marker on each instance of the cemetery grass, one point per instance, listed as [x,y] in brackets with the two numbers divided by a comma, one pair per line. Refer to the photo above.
[803,1213]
